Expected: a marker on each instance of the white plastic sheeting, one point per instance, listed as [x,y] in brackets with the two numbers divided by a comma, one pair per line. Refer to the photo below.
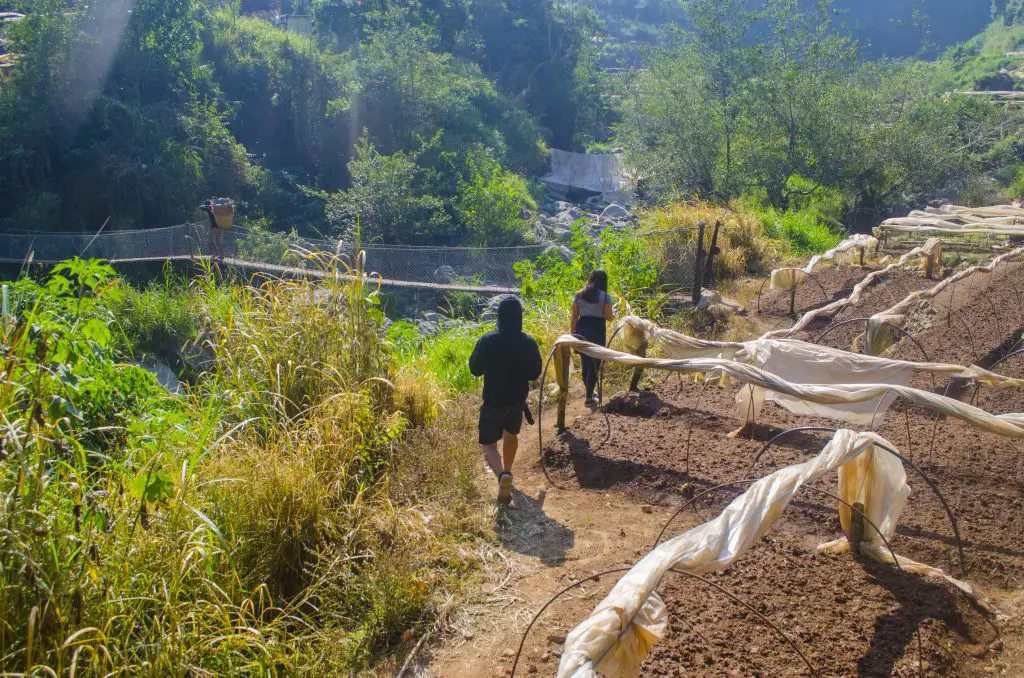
[639,332]
[879,332]
[927,250]
[801,362]
[593,172]
[616,637]
[1009,425]
[956,220]
[788,278]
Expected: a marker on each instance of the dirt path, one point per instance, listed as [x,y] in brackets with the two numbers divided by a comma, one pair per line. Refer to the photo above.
[615,479]
[553,535]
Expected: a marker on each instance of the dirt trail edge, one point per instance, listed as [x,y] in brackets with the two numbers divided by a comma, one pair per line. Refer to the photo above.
[551,536]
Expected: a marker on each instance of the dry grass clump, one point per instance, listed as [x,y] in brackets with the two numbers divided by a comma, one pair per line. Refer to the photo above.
[300,509]
[746,247]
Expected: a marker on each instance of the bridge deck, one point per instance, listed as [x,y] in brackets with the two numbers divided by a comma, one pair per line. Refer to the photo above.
[296,272]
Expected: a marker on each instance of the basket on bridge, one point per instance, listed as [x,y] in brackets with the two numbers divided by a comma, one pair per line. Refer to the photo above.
[224,212]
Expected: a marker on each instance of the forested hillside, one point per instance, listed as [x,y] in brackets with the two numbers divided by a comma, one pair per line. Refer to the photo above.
[137,115]
[429,122]
[894,28]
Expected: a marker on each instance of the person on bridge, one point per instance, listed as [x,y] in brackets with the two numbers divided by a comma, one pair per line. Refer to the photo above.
[508,359]
[216,233]
[591,312]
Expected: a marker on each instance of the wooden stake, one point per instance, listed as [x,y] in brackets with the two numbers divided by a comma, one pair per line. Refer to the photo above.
[856,528]
[698,273]
[562,358]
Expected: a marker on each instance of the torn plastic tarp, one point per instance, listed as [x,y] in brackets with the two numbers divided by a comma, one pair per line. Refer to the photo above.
[801,362]
[879,330]
[953,219]
[591,172]
[1010,425]
[616,637]
[788,278]
[927,250]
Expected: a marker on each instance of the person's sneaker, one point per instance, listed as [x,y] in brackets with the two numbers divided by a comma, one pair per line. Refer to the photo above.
[505,489]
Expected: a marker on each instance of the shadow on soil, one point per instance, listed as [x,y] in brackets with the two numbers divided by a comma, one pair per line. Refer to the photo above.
[524,528]
[895,634]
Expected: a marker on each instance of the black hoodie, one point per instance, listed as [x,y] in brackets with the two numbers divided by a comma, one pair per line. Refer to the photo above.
[507,359]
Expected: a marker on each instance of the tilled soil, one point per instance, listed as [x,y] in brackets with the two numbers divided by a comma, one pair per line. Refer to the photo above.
[848,617]
[619,474]
[971,322]
[887,291]
[826,284]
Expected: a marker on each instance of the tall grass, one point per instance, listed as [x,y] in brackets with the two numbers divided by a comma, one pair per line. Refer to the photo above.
[283,515]
[804,231]
[746,247]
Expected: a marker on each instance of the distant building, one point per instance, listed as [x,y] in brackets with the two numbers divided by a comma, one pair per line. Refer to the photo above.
[7,60]
[299,23]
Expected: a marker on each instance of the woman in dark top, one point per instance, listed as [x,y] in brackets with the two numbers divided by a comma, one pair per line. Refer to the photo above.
[591,311]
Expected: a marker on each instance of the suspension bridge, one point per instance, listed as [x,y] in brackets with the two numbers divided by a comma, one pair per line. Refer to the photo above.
[486,271]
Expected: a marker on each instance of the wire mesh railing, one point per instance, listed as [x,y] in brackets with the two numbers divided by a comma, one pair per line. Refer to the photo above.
[462,266]
[466,266]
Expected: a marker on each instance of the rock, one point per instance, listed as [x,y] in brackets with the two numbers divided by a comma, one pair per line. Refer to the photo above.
[561,235]
[615,211]
[570,216]
[560,251]
[431,323]
[556,639]
[509,653]
[647,508]
[493,303]
[198,357]
[445,275]
[164,374]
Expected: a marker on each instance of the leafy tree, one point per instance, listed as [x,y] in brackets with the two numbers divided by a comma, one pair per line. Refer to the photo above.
[671,133]
[493,203]
[721,45]
[104,111]
[796,115]
[388,201]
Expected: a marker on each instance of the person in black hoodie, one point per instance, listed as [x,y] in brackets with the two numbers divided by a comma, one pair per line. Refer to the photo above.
[508,360]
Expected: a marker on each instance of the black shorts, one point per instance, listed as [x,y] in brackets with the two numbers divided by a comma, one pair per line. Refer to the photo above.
[495,420]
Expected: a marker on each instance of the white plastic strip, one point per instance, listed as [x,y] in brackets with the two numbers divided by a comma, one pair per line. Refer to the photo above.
[800,362]
[878,332]
[614,640]
[927,250]
[788,278]
[1009,425]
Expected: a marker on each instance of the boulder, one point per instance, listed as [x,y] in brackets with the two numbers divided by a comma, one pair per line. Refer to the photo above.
[570,216]
[560,251]
[445,275]
[561,235]
[164,374]
[493,302]
[431,323]
[615,211]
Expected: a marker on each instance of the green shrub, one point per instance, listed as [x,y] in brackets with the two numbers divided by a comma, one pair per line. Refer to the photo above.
[146,529]
[157,322]
[492,202]
[803,232]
